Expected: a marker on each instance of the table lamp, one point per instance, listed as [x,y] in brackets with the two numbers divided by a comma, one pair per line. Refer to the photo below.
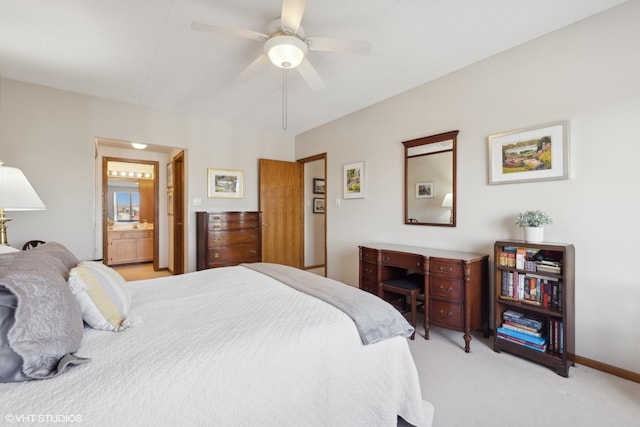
[447,202]
[16,194]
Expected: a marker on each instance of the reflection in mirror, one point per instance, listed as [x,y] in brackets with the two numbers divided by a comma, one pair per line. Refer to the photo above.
[126,206]
[130,194]
[430,180]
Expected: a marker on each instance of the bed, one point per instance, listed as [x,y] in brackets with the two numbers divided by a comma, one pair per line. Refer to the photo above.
[226,346]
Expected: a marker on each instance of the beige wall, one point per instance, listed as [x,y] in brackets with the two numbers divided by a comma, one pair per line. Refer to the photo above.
[586,73]
[50,134]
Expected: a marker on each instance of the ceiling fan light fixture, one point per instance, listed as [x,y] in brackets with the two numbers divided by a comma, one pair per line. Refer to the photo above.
[286,51]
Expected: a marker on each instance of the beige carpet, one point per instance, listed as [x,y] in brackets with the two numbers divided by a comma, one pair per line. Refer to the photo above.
[485,388]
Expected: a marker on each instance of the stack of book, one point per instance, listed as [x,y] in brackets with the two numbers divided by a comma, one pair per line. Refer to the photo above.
[523,330]
[531,288]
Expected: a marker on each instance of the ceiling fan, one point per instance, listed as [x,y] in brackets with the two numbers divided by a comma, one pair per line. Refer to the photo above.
[285,44]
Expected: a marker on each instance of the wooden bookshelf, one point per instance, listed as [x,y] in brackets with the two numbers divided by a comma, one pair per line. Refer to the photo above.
[537,281]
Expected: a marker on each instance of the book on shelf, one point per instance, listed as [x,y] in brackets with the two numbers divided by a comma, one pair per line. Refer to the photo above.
[520,258]
[522,319]
[522,328]
[541,348]
[530,339]
[549,267]
[556,336]
[532,289]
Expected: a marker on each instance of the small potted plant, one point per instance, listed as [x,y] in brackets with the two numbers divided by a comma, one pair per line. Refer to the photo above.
[533,221]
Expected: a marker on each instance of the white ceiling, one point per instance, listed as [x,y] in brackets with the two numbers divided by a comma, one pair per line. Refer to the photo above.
[144,52]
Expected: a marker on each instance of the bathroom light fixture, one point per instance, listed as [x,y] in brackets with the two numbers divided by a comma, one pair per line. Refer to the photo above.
[16,194]
[286,51]
[138,146]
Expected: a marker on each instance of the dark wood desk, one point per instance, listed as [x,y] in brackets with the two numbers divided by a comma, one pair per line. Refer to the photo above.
[456,283]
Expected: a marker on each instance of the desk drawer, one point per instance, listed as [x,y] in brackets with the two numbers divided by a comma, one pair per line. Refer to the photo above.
[447,288]
[370,271]
[403,260]
[369,255]
[446,268]
[447,314]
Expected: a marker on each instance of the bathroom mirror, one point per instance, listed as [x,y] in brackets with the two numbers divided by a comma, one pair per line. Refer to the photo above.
[430,180]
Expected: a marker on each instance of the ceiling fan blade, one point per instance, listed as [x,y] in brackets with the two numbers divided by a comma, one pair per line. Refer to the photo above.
[328,44]
[310,75]
[229,31]
[291,15]
[248,72]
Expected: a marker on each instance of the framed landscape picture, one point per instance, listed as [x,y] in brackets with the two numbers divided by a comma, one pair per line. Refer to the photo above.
[534,154]
[225,183]
[353,180]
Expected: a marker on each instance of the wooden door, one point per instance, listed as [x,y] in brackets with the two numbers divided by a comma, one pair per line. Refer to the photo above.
[178,213]
[281,204]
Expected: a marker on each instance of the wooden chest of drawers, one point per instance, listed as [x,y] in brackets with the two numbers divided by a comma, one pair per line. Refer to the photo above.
[456,282]
[227,238]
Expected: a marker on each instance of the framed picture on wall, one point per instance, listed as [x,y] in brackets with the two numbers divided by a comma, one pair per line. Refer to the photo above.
[318,205]
[424,190]
[225,183]
[170,202]
[538,153]
[318,185]
[170,175]
[353,180]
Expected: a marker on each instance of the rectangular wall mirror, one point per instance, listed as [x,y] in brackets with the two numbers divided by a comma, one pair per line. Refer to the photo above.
[430,180]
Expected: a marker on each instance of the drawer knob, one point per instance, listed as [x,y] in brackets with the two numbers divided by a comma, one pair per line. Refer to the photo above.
[217,227]
[253,251]
[449,289]
[368,270]
[216,255]
[445,315]
[254,236]
[446,270]
[216,217]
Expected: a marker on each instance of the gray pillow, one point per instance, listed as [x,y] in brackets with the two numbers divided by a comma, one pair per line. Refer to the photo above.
[59,251]
[40,321]
[11,366]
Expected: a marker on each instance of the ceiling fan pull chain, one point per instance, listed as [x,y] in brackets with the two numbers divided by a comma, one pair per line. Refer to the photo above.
[284,99]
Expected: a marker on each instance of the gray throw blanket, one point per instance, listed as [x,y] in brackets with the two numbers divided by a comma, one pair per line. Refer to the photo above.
[374,318]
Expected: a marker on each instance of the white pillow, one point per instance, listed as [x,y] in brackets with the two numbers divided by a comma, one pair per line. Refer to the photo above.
[102,295]
[6,249]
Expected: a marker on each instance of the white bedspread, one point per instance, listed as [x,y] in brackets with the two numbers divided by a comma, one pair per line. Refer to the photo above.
[226,347]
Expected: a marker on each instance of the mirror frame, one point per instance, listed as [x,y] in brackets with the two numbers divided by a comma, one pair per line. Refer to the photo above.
[446,136]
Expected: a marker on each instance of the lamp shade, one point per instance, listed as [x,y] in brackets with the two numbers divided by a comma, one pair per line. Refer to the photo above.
[447,202]
[286,51]
[16,194]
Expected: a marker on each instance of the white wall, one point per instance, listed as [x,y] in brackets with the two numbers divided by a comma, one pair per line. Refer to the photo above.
[49,134]
[586,73]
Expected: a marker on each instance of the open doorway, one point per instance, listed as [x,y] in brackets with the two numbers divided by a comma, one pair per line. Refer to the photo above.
[129,211]
[315,214]
[162,193]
